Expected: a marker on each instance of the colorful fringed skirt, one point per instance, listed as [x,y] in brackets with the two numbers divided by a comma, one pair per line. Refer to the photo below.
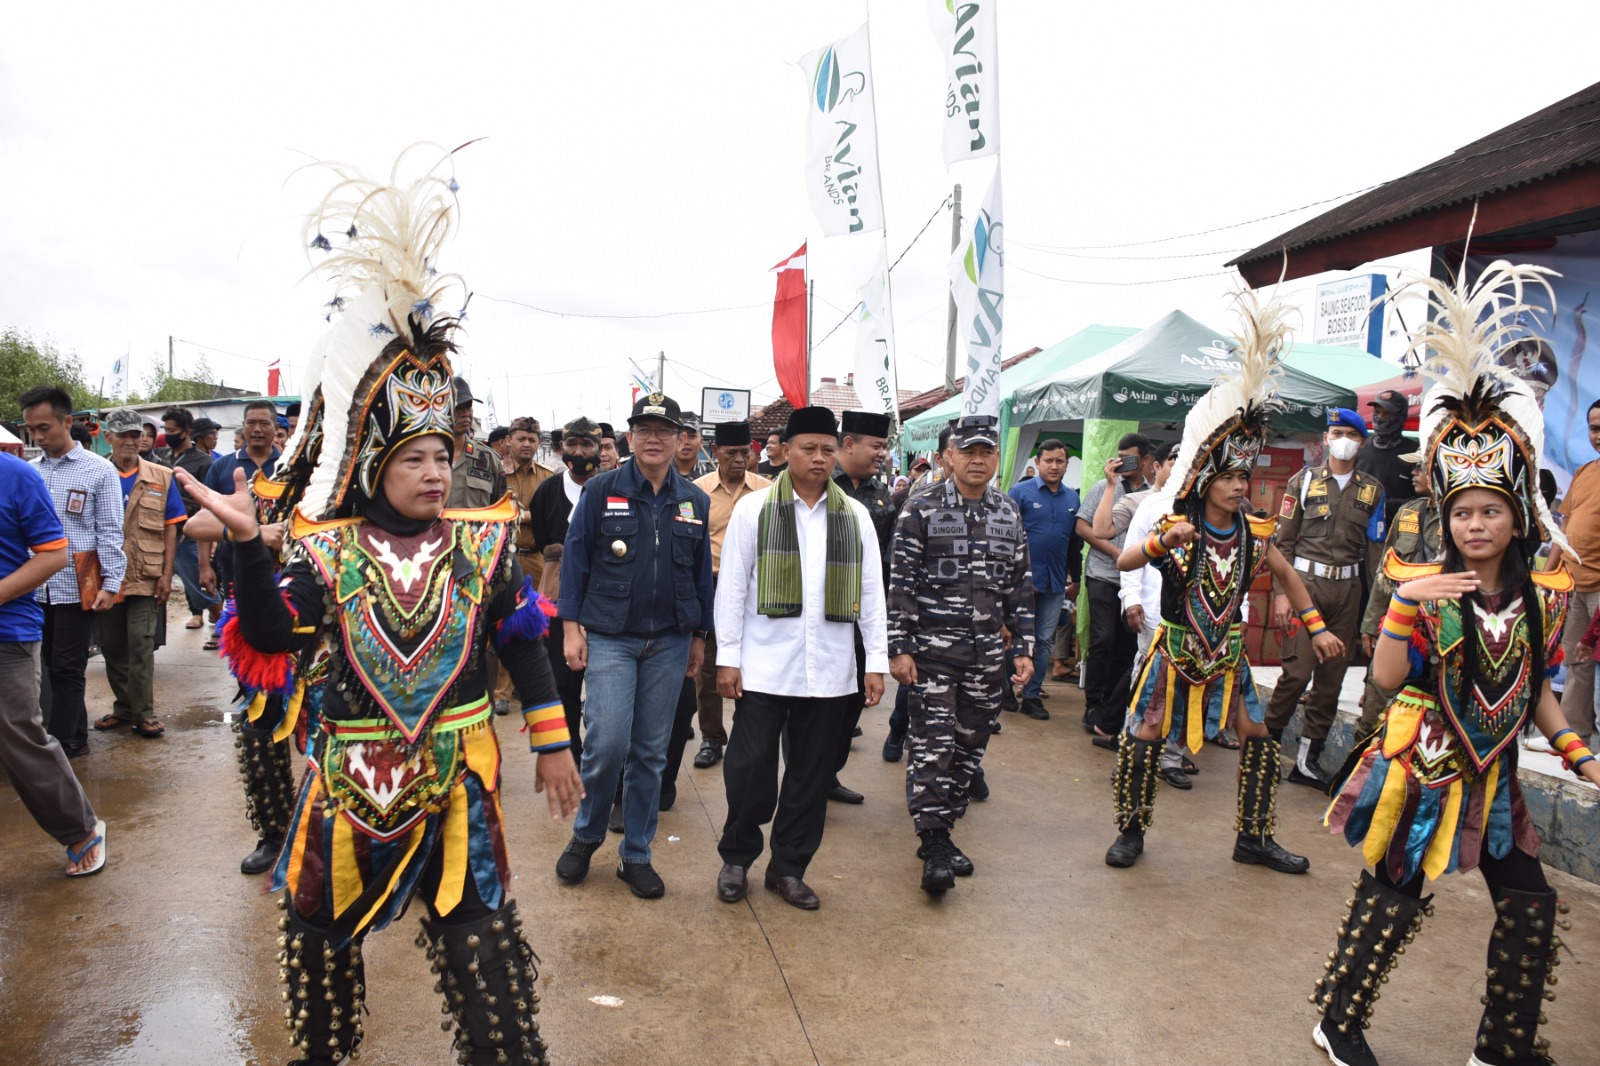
[1189,702]
[1416,802]
[373,811]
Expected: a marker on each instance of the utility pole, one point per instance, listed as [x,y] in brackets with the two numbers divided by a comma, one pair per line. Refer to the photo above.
[661,372]
[169,355]
[950,330]
[509,407]
[811,298]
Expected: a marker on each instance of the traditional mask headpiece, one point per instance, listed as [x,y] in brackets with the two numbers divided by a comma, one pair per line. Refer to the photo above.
[1481,427]
[278,496]
[386,374]
[1227,429]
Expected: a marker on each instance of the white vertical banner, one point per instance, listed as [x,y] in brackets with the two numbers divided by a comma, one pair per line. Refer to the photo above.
[842,137]
[119,378]
[977,282]
[965,34]
[875,366]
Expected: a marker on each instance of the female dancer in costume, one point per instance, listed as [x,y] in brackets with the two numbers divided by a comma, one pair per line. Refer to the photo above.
[401,795]
[1468,641]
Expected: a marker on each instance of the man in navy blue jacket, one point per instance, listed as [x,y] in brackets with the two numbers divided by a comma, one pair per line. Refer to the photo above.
[636,595]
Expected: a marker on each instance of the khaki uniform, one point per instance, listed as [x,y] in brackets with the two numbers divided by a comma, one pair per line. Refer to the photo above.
[1331,536]
[1415,538]
[128,631]
[476,479]
[520,483]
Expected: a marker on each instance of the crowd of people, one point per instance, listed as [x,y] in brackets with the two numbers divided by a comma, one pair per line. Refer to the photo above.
[383,585]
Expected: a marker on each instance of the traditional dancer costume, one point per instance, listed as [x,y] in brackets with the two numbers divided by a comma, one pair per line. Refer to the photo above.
[401,793]
[1435,790]
[1195,678]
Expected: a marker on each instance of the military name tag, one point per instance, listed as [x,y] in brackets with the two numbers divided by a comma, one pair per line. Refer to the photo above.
[1408,522]
[1318,488]
[1001,530]
[937,528]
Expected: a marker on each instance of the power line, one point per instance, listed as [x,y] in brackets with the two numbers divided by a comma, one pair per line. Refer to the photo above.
[220,351]
[943,204]
[1049,250]
[1151,281]
[584,314]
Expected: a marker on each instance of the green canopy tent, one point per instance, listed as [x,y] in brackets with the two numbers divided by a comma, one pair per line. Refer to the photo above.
[921,434]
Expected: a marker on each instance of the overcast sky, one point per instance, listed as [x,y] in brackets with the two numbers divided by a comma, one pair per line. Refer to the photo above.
[645,158]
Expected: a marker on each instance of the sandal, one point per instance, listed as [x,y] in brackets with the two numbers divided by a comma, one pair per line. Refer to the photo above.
[75,857]
[195,622]
[1224,739]
[110,722]
[212,643]
[1189,767]
[149,728]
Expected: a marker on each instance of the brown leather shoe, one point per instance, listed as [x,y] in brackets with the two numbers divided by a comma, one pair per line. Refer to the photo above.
[732,884]
[795,892]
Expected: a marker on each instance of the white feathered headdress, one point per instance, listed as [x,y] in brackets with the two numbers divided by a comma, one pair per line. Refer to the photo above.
[1228,427]
[1481,425]
[385,364]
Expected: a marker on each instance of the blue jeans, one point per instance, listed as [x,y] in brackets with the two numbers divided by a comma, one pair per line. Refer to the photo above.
[187,564]
[633,685]
[1046,615]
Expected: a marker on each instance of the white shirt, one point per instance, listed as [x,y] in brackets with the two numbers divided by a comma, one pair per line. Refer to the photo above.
[570,487]
[805,656]
[1142,587]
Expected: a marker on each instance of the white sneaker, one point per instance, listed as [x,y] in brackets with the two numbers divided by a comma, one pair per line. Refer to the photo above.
[1536,742]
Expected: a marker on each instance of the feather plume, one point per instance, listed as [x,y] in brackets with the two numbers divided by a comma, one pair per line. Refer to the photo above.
[1466,327]
[1244,397]
[386,287]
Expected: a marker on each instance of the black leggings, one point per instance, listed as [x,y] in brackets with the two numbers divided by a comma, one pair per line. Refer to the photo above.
[1518,871]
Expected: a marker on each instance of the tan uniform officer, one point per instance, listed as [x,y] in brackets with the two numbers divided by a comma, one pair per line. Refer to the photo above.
[1330,528]
[1414,537]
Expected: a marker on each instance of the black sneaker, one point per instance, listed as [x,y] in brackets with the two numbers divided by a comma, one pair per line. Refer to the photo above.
[1034,709]
[1008,699]
[894,746]
[642,879]
[1344,1049]
[615,823]
[1127,849]
[1264,851]
[263,858]
[573,866]
[1175,777]
[978,790]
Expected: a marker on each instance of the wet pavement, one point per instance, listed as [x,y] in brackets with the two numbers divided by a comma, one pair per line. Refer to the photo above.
[1044,956]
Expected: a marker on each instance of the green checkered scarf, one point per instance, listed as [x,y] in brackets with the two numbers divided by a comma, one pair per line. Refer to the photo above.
[778,584]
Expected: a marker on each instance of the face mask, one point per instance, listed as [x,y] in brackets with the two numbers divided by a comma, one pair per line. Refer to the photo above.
[1344,449]
[581,465]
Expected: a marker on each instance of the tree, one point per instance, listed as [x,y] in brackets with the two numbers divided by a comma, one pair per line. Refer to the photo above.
[25,363]
[201,384]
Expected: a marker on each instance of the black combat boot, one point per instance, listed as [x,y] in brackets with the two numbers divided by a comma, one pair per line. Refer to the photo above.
[269,791]
[326,989]
[1522,956]
[486,972]
[1307,768]
[937,855]
[1372,938]
[1134,791]
[1258,810]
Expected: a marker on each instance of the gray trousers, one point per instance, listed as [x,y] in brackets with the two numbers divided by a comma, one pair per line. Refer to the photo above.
[32,758]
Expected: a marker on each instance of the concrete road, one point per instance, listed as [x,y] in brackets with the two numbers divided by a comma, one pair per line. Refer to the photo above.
[1044,956]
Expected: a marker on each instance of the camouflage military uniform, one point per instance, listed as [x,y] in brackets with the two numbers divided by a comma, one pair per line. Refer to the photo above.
[959,570]
[1414,537]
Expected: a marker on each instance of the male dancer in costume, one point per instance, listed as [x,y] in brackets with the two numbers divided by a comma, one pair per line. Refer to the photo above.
[1467,640]
[401,794]
[1195,680]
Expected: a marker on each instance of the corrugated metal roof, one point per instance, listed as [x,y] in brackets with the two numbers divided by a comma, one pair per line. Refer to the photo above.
[1562,136]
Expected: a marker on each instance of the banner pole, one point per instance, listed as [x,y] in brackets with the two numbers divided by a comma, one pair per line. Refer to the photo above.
[811,295]
[950,330]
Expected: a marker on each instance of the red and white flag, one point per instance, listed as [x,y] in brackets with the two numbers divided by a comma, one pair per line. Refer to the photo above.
[789,329]
[272,378]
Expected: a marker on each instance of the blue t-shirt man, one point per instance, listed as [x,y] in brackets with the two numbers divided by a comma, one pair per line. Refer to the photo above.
[174,512]
[28,524]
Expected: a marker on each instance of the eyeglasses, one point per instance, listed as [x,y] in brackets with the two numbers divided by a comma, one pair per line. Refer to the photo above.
[654,433]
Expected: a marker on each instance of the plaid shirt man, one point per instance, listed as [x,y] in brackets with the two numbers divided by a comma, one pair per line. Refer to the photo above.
[88,498]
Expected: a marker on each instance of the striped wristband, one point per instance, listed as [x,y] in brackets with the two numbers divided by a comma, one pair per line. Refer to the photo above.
[1154,547]
[1401,619]
[1571,748]
[1313,622]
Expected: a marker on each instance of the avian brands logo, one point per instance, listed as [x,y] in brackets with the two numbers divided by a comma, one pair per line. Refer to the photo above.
[988,239]
[962,95]
[1136,395]
[841,175]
